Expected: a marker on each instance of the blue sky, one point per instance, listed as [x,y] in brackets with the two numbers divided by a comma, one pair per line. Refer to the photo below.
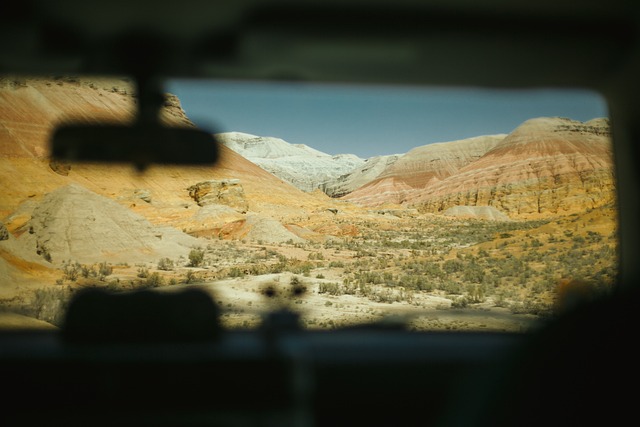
[369,121]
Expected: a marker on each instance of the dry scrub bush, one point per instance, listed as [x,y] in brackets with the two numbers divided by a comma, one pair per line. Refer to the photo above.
[166,264]
[196,257]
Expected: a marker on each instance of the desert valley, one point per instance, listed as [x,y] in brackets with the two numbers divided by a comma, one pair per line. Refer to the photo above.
[485,233]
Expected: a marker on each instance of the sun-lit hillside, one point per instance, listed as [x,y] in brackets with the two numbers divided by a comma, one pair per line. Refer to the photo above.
[546,166]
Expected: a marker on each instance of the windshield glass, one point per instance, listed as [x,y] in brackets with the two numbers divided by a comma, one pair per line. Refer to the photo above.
[439,209]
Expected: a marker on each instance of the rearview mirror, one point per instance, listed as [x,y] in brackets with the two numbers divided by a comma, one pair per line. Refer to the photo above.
[139,144]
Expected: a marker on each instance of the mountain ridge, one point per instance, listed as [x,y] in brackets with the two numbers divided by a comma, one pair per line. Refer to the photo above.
[302,166]
[438,176]
[419,167]
[546,166]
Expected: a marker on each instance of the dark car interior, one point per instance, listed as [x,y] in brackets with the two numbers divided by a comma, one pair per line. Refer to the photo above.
[580,367]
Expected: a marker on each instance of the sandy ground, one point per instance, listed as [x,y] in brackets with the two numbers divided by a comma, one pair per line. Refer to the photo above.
[244,304]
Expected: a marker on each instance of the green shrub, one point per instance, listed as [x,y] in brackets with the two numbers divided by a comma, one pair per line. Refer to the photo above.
[236,272]
[196,257]
[329,288]
[295,280]
[475,294]
[452,266]
[460,302]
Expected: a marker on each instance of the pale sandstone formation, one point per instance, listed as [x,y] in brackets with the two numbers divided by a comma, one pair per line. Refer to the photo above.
[75,224]
[15,321]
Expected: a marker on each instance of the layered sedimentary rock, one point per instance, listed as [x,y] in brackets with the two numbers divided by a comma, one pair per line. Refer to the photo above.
[420,168]
[546,166]
[227,192]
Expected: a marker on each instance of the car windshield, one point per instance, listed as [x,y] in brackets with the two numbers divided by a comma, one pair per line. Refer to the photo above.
[432,209]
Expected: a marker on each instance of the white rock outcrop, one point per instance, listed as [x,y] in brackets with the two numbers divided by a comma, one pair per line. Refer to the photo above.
[298,164]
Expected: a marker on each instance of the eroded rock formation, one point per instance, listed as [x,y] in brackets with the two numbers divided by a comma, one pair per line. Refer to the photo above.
[227,192]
